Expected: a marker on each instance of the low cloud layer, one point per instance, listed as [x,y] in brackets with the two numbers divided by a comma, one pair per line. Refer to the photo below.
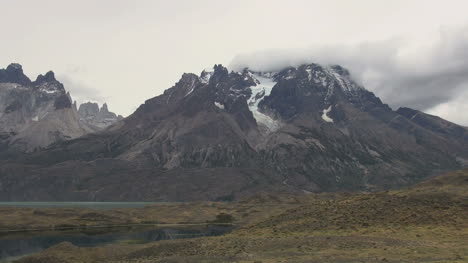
[427,72]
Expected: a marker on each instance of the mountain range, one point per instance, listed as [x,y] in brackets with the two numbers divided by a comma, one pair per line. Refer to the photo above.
[35,114]
[223,135]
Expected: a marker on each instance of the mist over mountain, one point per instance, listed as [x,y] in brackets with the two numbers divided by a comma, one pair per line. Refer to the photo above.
[424,73]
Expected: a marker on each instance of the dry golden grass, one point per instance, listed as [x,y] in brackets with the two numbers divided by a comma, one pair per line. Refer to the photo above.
[425,223]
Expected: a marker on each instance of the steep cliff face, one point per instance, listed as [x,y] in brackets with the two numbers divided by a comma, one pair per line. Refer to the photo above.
[97,118]
[34,114]
[225,134]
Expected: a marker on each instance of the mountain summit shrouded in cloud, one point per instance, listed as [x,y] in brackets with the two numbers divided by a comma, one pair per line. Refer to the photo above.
[426,73]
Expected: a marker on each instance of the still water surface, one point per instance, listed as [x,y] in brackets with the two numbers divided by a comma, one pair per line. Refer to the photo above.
[16,245]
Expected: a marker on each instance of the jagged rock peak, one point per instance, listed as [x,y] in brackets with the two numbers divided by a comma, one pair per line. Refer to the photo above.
[48,77]
[95,117]
[88,109]
[219,68]
[49,84]
[44,83]
[14,74]
[92,108]
[15,67]
[35,114]
[104,108]
[219,73]
[206,74]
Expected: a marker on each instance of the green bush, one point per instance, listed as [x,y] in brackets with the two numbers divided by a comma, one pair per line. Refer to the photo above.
[223,218]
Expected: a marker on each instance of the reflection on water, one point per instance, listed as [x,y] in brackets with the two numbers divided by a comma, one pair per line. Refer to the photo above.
[20,244]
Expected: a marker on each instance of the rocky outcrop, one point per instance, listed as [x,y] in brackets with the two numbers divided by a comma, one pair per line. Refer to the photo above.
[226,134]
[95,118]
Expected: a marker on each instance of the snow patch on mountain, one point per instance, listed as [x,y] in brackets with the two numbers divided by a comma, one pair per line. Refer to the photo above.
[325,116]
[206,75]
[219,105]
[48,91]
[265,84]
[192,87]
[309,73]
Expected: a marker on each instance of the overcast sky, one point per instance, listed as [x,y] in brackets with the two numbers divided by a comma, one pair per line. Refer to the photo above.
[411,53]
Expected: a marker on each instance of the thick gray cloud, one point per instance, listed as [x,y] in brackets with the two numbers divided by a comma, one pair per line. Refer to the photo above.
[455,110]
[421,73]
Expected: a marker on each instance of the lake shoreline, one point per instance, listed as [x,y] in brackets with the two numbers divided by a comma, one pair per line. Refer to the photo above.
[24,219]
[114,226]
[25,243]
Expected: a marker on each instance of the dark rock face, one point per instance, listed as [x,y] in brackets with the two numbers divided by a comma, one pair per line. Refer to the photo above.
[48,77]
[14,106]
[226,134]
[62,102]
[14,74]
